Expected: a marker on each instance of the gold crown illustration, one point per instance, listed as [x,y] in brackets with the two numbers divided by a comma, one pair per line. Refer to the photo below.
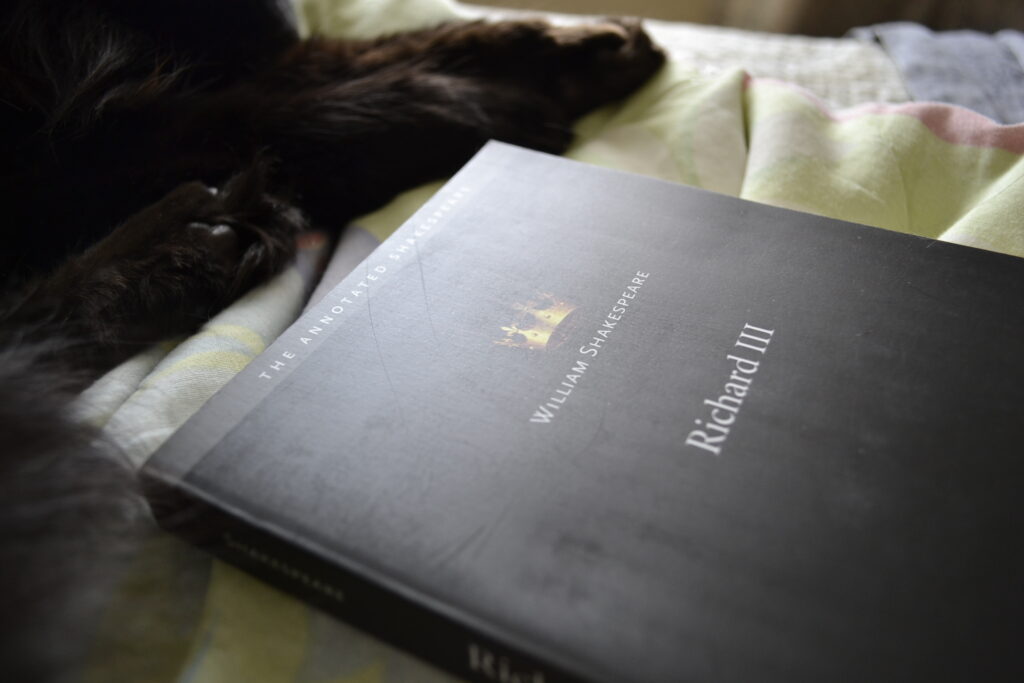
[535,323]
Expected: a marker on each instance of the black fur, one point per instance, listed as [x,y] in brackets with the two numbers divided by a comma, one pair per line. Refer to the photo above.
[158,159]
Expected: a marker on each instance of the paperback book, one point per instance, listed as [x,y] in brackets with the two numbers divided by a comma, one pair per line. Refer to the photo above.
[572,424]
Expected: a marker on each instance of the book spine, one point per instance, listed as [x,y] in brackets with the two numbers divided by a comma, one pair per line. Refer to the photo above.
[403,622]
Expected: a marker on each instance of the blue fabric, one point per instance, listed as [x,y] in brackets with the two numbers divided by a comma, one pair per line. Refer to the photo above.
[976,70]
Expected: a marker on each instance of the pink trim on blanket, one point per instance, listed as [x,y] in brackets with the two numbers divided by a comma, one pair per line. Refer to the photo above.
[950,123]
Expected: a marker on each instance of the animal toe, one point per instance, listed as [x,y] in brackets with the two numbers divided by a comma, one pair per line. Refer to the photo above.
[220,241]
[610,34]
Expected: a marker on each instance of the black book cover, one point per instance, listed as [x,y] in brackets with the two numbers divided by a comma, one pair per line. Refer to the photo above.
[569,423]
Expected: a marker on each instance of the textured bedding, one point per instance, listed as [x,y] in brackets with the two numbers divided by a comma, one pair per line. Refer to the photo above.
[933,170]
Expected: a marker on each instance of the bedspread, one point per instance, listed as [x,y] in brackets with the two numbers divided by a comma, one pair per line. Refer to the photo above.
[932,170]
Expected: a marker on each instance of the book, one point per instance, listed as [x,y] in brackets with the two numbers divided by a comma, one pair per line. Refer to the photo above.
[572,424]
